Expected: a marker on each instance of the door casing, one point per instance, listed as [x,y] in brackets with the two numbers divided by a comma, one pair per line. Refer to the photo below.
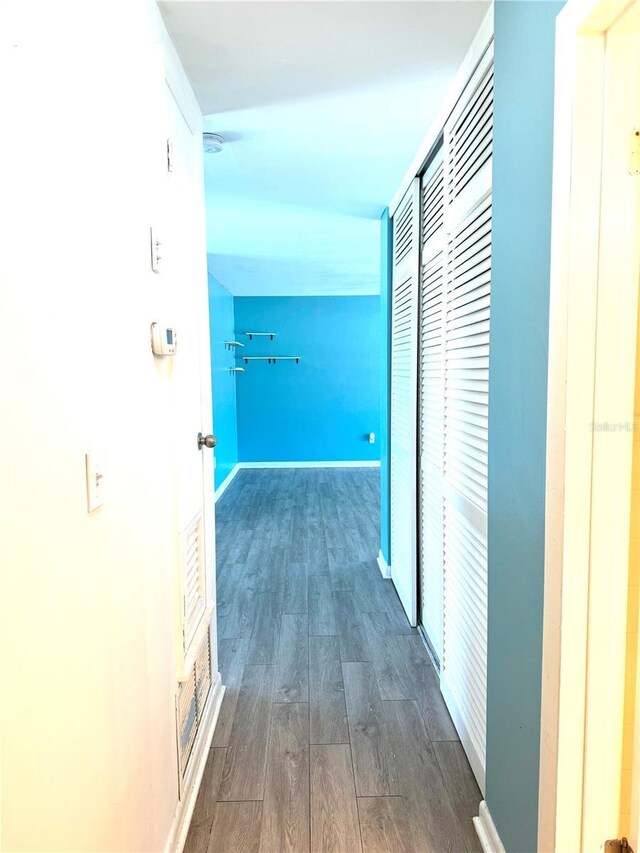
[592,345]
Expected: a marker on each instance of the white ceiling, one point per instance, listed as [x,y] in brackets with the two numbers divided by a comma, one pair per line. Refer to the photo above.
[323,104]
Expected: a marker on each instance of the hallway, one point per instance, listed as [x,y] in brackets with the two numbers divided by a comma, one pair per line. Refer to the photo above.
[333,735]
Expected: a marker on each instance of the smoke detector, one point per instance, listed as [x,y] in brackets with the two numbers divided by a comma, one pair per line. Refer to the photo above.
[212,142]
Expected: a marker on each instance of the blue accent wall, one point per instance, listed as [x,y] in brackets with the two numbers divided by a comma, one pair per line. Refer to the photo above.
[385,383]
[323,408]
[222,325]
[522,160]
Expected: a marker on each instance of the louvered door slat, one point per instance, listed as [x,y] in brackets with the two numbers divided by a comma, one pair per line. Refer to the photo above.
[468,309]
[473,266]
[404,336]
[187,719]
[203,674]
[191,701]
[404,225]
[479,99]
[193,583]
[464,334]
[432,201]
[476,467]
[476,134]
[465,467]
[472,557]
[474,654]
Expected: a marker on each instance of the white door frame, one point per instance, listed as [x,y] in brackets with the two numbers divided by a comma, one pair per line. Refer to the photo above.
[592,361]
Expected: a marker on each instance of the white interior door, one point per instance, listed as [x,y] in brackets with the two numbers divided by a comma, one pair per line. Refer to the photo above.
[404,355]
[184,285]
[183,275]
[467,157]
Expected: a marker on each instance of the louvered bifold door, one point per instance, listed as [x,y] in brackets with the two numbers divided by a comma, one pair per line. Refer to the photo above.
[467,142]
[431,400]
[404,346]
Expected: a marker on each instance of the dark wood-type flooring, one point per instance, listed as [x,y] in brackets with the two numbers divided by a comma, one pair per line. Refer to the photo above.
[333,735]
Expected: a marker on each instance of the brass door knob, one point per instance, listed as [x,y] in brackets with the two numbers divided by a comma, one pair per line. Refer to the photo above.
[206,441]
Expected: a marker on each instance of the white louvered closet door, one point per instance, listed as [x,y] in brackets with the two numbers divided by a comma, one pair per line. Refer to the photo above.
[468,147]
[431,399]
[404,340]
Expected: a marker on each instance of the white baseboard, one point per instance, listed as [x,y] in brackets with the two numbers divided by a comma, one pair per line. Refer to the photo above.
[487,832]
[385,569]
[222,488]
[184,810]
[347,464]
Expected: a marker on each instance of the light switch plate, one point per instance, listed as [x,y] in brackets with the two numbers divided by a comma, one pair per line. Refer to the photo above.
[169,155]
[95,483]
[156,250]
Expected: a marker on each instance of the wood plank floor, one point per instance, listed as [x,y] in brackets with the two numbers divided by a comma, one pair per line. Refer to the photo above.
[333,736]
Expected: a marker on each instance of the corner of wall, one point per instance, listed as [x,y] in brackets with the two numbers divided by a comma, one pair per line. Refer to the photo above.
[225,404]
[524,44]
[385,382]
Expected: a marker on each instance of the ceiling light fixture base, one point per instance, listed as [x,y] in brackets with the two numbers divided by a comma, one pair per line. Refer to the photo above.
[212,143]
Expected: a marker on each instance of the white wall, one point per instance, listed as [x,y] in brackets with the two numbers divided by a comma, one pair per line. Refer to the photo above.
[88,738]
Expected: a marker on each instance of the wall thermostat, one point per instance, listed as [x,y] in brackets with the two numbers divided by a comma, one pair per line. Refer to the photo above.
[163,339]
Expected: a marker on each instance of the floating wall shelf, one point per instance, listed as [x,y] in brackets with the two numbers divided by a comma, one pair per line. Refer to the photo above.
[252,335]
[233,344]
[271,358]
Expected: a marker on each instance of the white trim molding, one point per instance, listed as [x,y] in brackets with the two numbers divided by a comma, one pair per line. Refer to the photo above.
[222,488]
[487,832]
[184,810]
[224,485]
[591,377]
[385,568]
[346,464]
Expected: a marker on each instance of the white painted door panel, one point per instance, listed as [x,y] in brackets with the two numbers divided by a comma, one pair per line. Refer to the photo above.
[183,274]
